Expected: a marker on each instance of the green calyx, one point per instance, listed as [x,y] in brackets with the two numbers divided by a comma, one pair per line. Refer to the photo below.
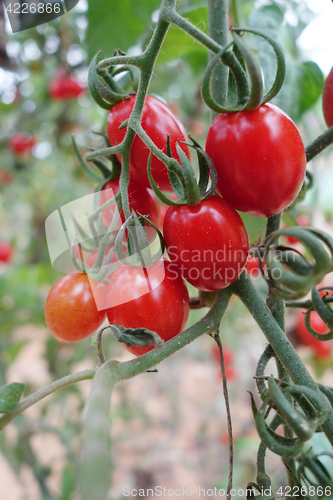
[188,190]
[245,85]
[103,86]
[291,275]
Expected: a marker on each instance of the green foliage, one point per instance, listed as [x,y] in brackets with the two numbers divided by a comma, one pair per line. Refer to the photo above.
[117,25]
[10,396]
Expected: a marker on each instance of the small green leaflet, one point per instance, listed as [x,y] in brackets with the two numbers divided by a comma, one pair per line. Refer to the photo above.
[10,396]
[137,336]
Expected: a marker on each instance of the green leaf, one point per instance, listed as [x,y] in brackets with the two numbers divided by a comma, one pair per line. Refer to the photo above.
[10,396]
[178,44]
[117,25]
[137,336]
[310,87]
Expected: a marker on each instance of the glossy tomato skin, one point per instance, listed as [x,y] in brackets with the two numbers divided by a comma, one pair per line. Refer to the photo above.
[259,157]
[158,122]
[141,199]
[21,143]
[207,243]
[6,252]
[163,308]
[70,309]
[321,348]
[328,99]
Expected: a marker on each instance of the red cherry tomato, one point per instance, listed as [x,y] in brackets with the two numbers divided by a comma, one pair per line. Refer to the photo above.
[70,309]
[253,268]
[153,298]
[328,99]
[259,157]
[141,199]
[321,348]
[21,143]
[6,252]
[65,88]
[207,243]
[158,122]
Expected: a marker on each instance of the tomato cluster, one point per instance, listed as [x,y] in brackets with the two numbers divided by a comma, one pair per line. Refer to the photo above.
[260,162]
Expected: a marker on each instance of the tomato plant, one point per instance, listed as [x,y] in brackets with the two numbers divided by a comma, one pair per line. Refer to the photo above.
[259,157]
[6,252]
[207,243]
[156,299]
[70,309]
[158,122]
[328,99]
[21,143]
[141,199]
[322,349]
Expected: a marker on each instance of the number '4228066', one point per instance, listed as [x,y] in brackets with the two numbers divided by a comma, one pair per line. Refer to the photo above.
[33,8]
[310,491]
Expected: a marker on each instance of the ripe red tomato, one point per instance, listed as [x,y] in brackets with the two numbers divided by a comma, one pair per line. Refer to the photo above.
[259,157]
[6,252]
[65,88]
[153,298]
[207,243]
[328,99]
[158,122]
[70,309]
[21,143]
[321,348]
[141,199]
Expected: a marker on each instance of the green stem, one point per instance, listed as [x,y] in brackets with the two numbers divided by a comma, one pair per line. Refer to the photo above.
[218,30]
[283,349]
[319,144]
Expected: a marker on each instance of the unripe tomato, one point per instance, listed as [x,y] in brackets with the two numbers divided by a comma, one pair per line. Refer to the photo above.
[71,313]
[21,143]
[158,122]
[321,348]
[259,157]
[207,243]
[328,99]
[6,252]
[141,199]
[65,88]
[153,298]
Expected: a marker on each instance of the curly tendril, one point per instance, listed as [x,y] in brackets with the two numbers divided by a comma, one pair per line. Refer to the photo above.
[291,275]
[248,94]
[302,425]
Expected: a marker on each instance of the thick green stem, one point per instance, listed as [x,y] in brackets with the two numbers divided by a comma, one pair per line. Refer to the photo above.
[218,30]
[283,349]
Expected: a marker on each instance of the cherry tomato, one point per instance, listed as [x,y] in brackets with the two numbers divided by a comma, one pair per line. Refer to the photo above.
[253,268]
[6,252]
[71,313]
[207,243]
[155,298]
[141,199]
[259,157]
[21,143]
[321,348]
[158,122]
[65,88]
[328,99]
